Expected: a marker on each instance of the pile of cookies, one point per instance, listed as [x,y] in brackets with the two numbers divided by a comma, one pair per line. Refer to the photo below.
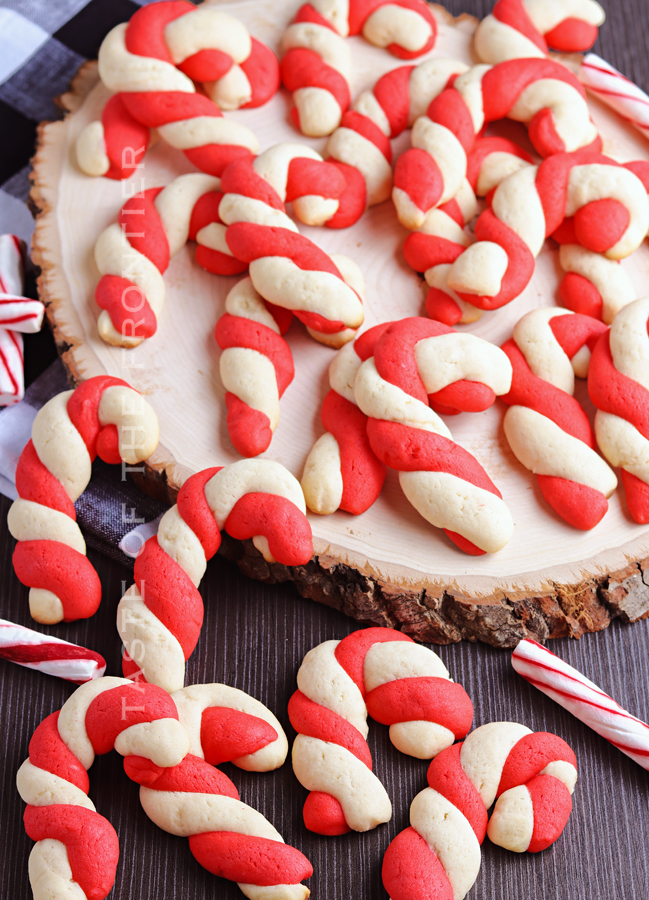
[175,68]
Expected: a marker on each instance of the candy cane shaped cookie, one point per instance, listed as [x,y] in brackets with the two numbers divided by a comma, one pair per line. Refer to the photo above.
[77,850]
[433,247]
[194,800]
[152,63]
[316,65]
[286,268]
[341,470]
[546,428]
[103,417]
[396,388]
[526,28]
[533,776]
[18,315]
[542,93]
[594,285]
[608,203]
[160,617]
[399,683]
[361,147]
[133,254]
[619,387]
[256,366]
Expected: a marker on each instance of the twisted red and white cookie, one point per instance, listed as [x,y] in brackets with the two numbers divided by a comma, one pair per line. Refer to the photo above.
[396,388]
[399,683]
[539,92]
[606,200]
[435,245]
[237,221]
[547,429]
[77,850]
[342,471]
[153,64]
[532,775]
[618,385]
[316,64]
[194,800]
[103,417]
[159,618]
[526,28]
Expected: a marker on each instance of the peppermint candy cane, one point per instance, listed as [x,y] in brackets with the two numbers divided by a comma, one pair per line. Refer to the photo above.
[50,655]
[399,683]
[160,617]
[435,245]
[625,97]
[152,63]
[607,201]
[526,28]
[193,800]
[316,64]
[618,386]
[585,700]
[532,775]
[546,428]
[103,417]
[77,850]
[539,92]
[444,482]
[341,470]
[18,315]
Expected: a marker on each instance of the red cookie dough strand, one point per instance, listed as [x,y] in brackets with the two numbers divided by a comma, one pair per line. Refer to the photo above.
[227,734]
[615,393]
[552,807]
[317,721]
[170,594]
[90,840]
[248,859]
[36,483]
[53,566]
[533,392]
[362,473]
[447,777]
[514,14]
[289,535]
[47,751]
[411,872]
[112,712]
[530,756]
[195,511]
[353,649]
[425,699]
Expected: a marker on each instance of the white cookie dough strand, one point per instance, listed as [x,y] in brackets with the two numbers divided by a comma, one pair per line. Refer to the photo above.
[608,279]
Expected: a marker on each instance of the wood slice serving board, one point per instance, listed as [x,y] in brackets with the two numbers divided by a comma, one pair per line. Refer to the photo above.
[387,566]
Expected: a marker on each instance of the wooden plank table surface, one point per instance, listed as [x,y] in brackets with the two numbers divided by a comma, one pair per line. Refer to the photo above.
[255,637]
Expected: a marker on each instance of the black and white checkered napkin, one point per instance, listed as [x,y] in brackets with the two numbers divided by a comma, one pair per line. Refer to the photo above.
[42,45]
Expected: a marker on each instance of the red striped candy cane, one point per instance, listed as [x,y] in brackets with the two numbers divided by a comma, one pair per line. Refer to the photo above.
[585,700]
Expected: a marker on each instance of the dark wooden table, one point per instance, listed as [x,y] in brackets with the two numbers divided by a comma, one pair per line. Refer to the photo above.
[255,637]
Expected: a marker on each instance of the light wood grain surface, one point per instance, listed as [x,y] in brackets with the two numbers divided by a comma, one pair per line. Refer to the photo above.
[254,638]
